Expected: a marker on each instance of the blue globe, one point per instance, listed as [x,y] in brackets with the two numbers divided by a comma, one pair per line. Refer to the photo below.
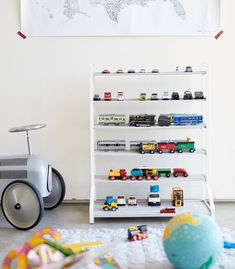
[192,240]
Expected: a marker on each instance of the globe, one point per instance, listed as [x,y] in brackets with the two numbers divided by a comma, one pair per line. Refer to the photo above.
[192,240]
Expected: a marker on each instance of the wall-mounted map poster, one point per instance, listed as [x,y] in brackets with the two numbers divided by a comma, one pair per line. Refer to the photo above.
[119,17]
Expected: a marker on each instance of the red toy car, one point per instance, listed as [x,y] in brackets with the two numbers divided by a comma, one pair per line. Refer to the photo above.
[168,210]
[166,146]
[107,96]
[179,172]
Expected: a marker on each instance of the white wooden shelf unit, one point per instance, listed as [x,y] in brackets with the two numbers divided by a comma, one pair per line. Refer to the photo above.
[204,203]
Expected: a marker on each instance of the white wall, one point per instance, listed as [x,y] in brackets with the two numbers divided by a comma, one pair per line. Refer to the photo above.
[47,80]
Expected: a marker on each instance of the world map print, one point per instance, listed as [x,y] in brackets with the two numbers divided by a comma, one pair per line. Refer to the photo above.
[119,17]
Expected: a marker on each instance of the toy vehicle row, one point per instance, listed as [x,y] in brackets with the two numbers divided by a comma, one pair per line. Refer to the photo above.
[137,233]
[147,173]
[150,146]
[154,96]
[142,70]
[147,120]
[111,204]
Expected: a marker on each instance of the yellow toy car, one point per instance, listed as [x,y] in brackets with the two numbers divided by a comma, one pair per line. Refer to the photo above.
[110,204]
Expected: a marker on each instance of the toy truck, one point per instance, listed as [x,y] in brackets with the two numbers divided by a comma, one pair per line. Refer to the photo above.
[177,196]
[137,233]
[117,174]
[110,204]
[154,196]
[147,147]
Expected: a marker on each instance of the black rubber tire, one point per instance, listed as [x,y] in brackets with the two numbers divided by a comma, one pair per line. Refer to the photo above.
[38,197]
[60,198]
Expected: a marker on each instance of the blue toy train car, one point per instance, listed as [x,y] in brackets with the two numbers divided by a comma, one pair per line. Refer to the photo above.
[187,119]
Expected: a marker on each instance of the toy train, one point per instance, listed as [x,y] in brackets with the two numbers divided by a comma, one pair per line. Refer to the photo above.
[151,146]
[146,173]
[147,120]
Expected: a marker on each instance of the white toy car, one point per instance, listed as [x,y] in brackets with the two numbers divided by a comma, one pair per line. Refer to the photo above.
[154,96]
[154,199]
[121,200]
[166,96]
[120,96]
[132,200]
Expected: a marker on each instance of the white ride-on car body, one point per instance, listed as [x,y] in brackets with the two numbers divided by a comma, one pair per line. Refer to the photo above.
[28,185]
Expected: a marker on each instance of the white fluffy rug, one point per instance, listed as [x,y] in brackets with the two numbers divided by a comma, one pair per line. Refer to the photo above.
[145,254]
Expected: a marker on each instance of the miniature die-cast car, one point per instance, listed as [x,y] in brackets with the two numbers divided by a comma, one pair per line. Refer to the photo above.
[120,96]
[143,96]
[179,172]
[168,210]
[187,95]
[155,70]
[96,97]
[132,200]
[110,204]
[121,201]
[199,95]
[107,96]
[131,71]
[137,233]
[154,96]
[175,96]
[165,96]
[120,71]
[105,71]
[142,70]
[188,69]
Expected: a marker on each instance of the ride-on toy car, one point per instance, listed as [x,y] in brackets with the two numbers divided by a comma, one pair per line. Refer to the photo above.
[28,185]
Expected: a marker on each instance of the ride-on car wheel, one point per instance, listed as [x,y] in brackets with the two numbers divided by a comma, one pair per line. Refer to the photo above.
[58,191]
[22,205]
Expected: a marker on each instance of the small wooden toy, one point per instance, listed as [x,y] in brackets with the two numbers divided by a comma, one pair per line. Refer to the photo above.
[154,196]
[143,96]
[154,96]
[167,210]
[166,96]
[155,70]
[187,95]
[120,71]
[175,96]
[199,95]
[105,71]
[107,96]
[132,200]
[120,96]
[179,172]
[137,233]
[96,97]
[147,147]
[117,174]
[121,200]
[110,204]
[177,196]
[131,71]
[188,69]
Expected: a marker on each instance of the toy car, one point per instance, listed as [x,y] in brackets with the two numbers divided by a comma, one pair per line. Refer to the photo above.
[131,71]
[175,96]
[155,71]
[198,95]
[165,96]
[120,71]
[110,204]
[142,70]
[28,185]
[137,233]
[143,96]
[105,71]
[154,196]
[168,210]
[107,96]
[188,69]
[154,96]
[132,200]
[121,201]
[96,97]
[120,96]
[187,95]
[179,172]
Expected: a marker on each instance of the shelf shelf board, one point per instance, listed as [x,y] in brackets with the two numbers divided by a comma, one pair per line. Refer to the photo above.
[134,153]
[102,101]
[195,177]
[143,210]
[173,73]
[155,127]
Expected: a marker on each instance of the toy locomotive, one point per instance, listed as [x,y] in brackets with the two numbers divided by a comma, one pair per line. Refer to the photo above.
[137,233]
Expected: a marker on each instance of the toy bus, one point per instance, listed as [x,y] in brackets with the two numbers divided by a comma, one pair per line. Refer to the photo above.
[142,120]
[111,119]
[111,145]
